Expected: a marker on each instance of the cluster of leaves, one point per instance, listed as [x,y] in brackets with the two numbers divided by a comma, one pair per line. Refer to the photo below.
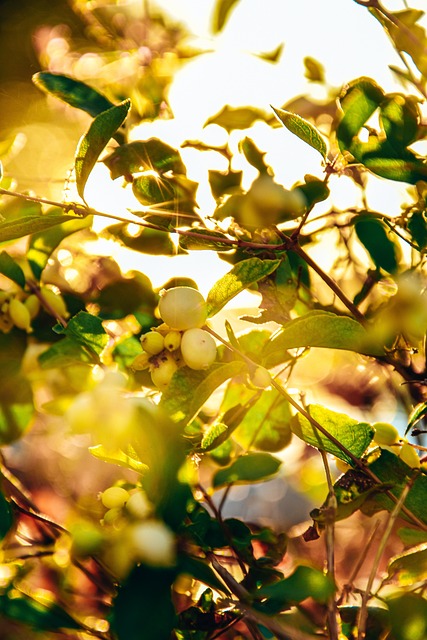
[375,316]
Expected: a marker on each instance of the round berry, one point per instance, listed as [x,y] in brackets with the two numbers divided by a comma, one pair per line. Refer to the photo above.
[153,542]
[152,342]
[19,314]
[409,456]
[198,349]
[183,308]
[172,340]
[114,497]
[138,505]
[163,370]
[385,433]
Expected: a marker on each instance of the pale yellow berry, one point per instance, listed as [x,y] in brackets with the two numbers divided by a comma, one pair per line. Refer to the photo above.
[114,497]
[183,308]
[55,303]
[385,433]
[409,456]
[138,505]
[198,349]
[153,543]
[163,370]
[33,305]
[152,342]
[261,378]
[112,516]
[19,314]
[142,361]
[172,340]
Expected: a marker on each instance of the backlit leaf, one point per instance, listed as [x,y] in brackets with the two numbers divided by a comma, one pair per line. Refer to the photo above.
[265,425]
[20,227]
[200,571]
[42,617]
[251,467]
[221,13]
[373,233]
[88,331]
[409,567]
[95,139]
[353,435]
[144,155]
[304,582]
[243,274]
[319,329]
[119,457]
[358,102]
[204,239]
[11,269]
[231,118]
[6,516]
[16,407]
[408,616]
[74,92]
[303,129]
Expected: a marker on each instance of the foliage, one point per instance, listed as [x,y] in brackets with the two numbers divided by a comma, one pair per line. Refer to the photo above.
[90,359]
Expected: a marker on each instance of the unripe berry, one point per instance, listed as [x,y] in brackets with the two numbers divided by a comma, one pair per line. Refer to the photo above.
[198,349]
[112,516]
[19,314]
[33,305]
[183,308]
[163,370]
[152,342]
[55,302]
[261,378]
[385,433]
[409,456]
[114,497]
[172,340]
[138,505]
[142,361]
[153,543]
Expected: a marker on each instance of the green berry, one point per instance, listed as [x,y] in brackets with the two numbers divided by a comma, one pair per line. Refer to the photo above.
[183,308]
[114,497]
[198,349]
[172,340]
[19,314]
[152,342]
[33,305]
[385,433]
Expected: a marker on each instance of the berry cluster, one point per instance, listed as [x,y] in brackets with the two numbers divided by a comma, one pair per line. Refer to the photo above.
[20,309]
[180,340]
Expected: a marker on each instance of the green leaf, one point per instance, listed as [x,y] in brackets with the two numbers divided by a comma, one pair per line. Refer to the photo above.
[222,182]
[411,537]
[95,139]
[73,92]
[16,407]
[241,276]
[200,571]
[11,269]
[26,225]
[231,118]
[214,436]
[65,352]
[303,129]
[119,457]
[189,389]
[251,467]
[266,425]
[410,170]
[319,329]
[409,567]
[143,606]
[358,102]
[417,226]
[354,435]
[88,331]
[204,239]
[373,233]
[144,155]
[304,582]
[146,240]
[42,617]
[44,243]
[408,616]
[314,71]
[416,415]
[6,516]
[392,471]
[221,13]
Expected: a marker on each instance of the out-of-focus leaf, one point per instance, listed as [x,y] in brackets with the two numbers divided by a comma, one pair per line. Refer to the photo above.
[408,616]
[16,407]
[95,139]
[313,190]
[26,225]
[119,457]
[44,243]
[131,294]
[271,56]
[417,225]
[230,118]
[304,582]
[319,329]
[11,269]
[143,605]
[303,129]
[409,567]
[172,193]
[74,92]
[416,415]
[354,435]
[410,170]
[399,117]
[88,331]
[144,155]
[244,274]
[411,537]
[251,467]
[147,240]
[65,352]
[375,237]
[189,389]
[377,623]
[204,239]
[253,155]
[42,617]
[314,71]
[221,13]
[6,516]
[358,102]
[223,182]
